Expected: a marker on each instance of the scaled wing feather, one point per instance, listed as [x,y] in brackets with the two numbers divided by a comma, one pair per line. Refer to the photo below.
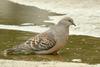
[41,42]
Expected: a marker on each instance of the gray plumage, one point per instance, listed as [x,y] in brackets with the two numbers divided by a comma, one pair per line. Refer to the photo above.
[48,42]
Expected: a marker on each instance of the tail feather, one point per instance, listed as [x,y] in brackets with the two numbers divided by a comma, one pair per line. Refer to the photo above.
[19,49]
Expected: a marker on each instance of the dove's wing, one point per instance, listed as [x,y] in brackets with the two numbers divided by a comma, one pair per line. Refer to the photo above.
[41,42]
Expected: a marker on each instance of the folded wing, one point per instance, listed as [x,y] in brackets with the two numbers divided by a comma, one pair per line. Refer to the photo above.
[41,42]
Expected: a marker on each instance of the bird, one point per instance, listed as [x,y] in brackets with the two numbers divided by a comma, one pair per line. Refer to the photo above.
[48,42]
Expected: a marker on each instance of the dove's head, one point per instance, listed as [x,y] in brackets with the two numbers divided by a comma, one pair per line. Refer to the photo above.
[66,21]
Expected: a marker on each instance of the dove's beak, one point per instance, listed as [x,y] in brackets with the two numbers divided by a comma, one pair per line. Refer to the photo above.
[73,24]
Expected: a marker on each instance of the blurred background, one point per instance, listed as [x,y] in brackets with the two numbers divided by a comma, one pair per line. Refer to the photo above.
[21,19]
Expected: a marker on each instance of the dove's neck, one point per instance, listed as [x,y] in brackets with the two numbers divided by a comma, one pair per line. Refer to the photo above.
[64,30]
[60,30]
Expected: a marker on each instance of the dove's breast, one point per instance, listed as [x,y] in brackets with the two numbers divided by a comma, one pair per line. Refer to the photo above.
[61,36]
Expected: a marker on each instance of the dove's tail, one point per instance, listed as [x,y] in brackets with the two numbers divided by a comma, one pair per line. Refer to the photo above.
[19,49]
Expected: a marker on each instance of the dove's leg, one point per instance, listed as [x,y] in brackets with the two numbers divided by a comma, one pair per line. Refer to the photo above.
[55,53]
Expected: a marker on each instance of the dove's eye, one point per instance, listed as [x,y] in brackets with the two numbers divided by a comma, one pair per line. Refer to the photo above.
[70,20]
